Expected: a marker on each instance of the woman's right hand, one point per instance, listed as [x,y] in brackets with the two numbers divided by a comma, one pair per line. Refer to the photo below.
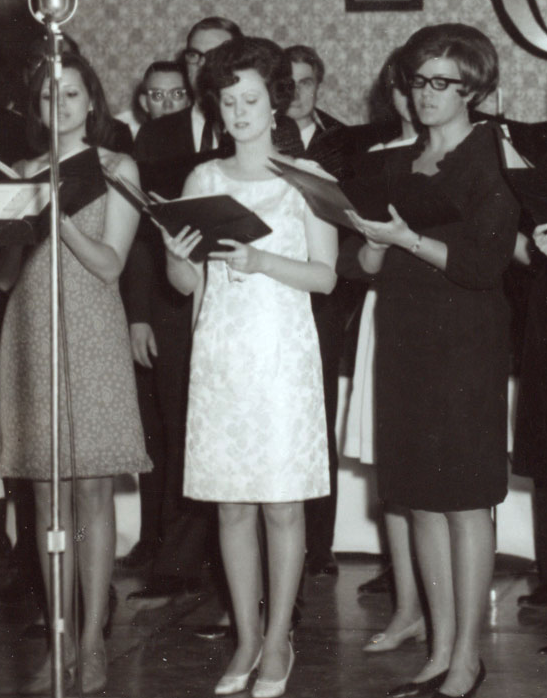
[540,237]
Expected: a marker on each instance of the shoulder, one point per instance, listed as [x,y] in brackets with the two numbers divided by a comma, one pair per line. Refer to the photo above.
[328,121]
[200,176]
[119,163]
[28,168]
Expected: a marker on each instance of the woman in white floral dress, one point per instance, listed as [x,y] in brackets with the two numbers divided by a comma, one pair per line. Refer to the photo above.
[256,421]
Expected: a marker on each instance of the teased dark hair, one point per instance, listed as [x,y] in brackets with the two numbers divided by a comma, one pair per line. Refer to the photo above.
[262,55]
[474,53]
[99,121]
[306,54]
[380,100]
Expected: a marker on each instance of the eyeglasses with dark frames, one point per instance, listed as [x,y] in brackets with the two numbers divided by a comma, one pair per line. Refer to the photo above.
[193,56]
[437,82]
[177,94]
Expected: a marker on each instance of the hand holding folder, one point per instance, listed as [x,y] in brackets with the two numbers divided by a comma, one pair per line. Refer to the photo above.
[216,217]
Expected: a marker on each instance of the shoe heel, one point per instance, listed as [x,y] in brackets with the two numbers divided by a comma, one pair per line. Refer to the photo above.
[273,689]
[229,684]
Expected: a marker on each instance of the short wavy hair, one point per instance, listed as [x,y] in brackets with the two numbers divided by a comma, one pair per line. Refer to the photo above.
[99,121]
[472,50]
[306,54]
[245,53]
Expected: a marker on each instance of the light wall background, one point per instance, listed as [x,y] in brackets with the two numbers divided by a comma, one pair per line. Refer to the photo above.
[121,37]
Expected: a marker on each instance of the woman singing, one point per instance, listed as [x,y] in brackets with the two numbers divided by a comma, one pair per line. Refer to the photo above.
[96,368]
[256,433]
[442,348]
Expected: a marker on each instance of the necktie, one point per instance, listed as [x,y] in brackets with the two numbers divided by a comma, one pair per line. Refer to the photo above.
[206,137]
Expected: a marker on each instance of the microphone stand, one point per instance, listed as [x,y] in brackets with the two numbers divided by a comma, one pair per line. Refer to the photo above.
[56,542]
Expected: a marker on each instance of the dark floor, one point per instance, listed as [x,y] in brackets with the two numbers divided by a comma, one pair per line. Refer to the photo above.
[153,653]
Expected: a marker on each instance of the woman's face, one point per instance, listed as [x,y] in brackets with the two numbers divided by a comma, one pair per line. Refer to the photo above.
[436,107]
[400,102]
[246,108]
[74,103]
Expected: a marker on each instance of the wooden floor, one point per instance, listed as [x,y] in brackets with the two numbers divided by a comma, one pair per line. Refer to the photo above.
[153,654]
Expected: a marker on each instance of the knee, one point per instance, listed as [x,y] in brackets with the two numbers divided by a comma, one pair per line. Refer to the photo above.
[284,515]
[95,496]
[230,514]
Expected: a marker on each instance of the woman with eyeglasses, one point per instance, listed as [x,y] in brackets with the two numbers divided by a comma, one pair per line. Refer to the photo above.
[442,354]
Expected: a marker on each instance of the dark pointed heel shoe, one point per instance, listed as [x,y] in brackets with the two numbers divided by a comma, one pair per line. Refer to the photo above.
[474,688]
[418,688]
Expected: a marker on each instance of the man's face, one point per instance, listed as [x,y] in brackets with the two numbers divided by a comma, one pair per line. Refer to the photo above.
[164,93]
[305,95]
[203,40]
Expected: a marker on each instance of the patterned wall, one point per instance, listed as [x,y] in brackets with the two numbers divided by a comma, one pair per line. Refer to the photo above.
[122,36]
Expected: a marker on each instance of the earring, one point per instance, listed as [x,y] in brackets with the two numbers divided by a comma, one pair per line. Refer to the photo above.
[274,122]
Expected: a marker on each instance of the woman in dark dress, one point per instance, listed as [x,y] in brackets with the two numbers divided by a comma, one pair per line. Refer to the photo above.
[442,348]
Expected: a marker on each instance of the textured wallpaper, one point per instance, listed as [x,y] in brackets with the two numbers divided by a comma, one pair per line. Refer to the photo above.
[121,37]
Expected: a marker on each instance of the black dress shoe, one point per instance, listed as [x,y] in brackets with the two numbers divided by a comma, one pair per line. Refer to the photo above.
[542,650]
[418,688]
[140,555]
[382,584]
[537,598]
[471,692]
[323,565]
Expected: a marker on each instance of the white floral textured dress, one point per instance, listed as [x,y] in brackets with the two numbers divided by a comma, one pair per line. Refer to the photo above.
[256,429]
[108,435]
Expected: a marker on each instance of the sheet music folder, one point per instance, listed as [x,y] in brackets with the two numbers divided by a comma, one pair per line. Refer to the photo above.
[419,202]
[528,182]
[216,216]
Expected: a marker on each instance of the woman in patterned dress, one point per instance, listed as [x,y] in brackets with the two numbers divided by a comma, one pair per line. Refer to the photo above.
[256,433]
[107,434]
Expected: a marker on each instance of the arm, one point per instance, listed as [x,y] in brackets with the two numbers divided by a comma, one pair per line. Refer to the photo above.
[182,273]
[316,275]
[105,258]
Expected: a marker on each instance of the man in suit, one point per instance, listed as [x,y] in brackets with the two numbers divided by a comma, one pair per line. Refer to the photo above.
[173,530]
[323,140]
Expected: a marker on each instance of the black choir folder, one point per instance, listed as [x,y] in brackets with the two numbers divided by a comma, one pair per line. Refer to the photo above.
[24,203]
[218,216]
[419,202]
[528,182]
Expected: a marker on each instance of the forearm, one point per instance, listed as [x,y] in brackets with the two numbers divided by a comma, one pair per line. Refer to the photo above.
[182,274]
[98,258]
[311,276]
[427,249]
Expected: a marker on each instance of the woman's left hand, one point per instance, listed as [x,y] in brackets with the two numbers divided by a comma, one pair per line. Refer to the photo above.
[243,258]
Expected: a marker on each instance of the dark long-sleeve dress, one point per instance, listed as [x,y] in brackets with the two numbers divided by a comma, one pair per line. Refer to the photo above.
[442,354]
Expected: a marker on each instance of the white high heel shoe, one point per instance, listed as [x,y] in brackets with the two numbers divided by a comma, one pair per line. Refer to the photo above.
[232,683]
[272,689]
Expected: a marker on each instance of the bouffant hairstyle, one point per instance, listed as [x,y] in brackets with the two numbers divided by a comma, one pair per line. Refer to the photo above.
[380,100]
[245,53]
[474,53]
[306,54]
[99,120]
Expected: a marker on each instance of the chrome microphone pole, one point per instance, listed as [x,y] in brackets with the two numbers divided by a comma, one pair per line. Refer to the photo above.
[52,13]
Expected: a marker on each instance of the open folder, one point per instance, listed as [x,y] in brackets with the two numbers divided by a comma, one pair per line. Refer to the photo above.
[21,202]
[419,202]
[218,216]
[528,182]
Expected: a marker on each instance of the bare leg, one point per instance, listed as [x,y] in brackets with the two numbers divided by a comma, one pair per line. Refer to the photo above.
[285,531]
[472,540]
[241,557]
[408,608]
[96,537]
[42,496]
[432,538]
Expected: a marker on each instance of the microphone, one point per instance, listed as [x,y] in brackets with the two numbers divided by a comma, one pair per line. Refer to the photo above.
[56,11]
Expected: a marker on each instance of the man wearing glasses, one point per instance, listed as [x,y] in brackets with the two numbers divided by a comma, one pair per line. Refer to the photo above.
[164,89]
[167,148]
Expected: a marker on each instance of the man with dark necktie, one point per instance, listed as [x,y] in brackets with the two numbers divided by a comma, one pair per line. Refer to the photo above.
[173,530]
